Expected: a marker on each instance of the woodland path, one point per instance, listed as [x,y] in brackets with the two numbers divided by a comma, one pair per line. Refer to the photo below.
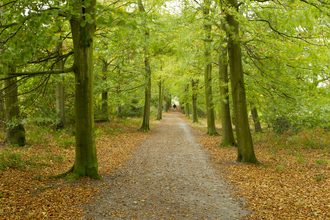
[169,177]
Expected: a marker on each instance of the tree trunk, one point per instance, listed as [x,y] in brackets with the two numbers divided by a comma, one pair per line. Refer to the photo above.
[119,108]
[2,109]
[105,109]
[187,102]
[255,117]
[227,129]
[244,139]
[211,130]
[160,100]
[15,131]
[60,96]
[194,85]
[146,113]
[60,93]
[82,33]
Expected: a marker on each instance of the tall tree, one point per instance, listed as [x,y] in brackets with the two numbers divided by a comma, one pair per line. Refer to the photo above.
[244,139]
[227,129]
[160,99]
[194,86]
[211,130]
[105,109]
[60,92]
[255,117]
[186,103]
[147,96]
[2,108]
[82,34]
[15,130]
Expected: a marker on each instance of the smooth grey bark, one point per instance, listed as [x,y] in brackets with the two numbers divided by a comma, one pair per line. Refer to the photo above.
[160,100]
[211,129]
[227,129]
[194,86]
[15,132]
[255,117]
[244,140]
[86,158]
[147,96]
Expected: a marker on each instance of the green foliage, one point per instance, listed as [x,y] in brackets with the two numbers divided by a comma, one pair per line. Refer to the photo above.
[321,162]
[282,124]
[280,167]
[132,109]
[11,160]
[319,178]
[16,160]
[300,159]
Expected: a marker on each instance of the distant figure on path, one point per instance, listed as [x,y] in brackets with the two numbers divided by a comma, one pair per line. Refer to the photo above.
[174,106]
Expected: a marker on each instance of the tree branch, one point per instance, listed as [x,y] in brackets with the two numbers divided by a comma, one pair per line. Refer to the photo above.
[30,74]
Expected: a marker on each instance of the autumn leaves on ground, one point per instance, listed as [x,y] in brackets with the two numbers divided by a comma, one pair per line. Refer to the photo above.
[293,182]
[27,193]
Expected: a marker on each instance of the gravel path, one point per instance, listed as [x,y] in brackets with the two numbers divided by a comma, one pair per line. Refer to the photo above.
[169,177]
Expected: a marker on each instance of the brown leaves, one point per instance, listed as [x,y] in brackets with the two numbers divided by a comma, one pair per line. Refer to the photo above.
[293,184]
[29,194]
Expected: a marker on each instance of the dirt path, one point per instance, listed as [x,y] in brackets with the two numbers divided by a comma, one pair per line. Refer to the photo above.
[169,177]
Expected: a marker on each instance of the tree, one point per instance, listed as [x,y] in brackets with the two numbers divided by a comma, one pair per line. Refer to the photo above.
[105,109]
[244,139]
[2,109]
[255,117]
[187,101]
[82,34]
[60,92]
[146,113]
[160,99]
[15,130]
[211,130]
[227,130]
[194,86]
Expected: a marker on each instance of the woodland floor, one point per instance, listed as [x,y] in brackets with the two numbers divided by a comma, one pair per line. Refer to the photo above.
[175,171]
[169,177]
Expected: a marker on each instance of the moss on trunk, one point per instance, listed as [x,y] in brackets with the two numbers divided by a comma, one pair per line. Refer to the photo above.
[244,139]
[255,117]
[85,159]
[15,132]
[227,129]
[2,109]
[211,130]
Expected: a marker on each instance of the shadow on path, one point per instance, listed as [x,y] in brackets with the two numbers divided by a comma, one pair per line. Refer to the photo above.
[169,177]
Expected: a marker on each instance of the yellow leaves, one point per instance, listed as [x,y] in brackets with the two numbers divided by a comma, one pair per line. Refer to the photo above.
[58,34]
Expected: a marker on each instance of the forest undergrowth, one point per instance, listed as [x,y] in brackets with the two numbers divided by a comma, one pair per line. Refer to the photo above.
[292,183]
[26,192]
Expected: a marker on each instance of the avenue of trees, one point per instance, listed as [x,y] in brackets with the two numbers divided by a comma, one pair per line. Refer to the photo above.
[80,61]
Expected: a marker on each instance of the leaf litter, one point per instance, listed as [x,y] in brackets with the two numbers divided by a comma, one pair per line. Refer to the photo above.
[293,182]
[26,192]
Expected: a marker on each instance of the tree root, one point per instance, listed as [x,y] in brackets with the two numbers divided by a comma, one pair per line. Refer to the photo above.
[63,175]
[228,143]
